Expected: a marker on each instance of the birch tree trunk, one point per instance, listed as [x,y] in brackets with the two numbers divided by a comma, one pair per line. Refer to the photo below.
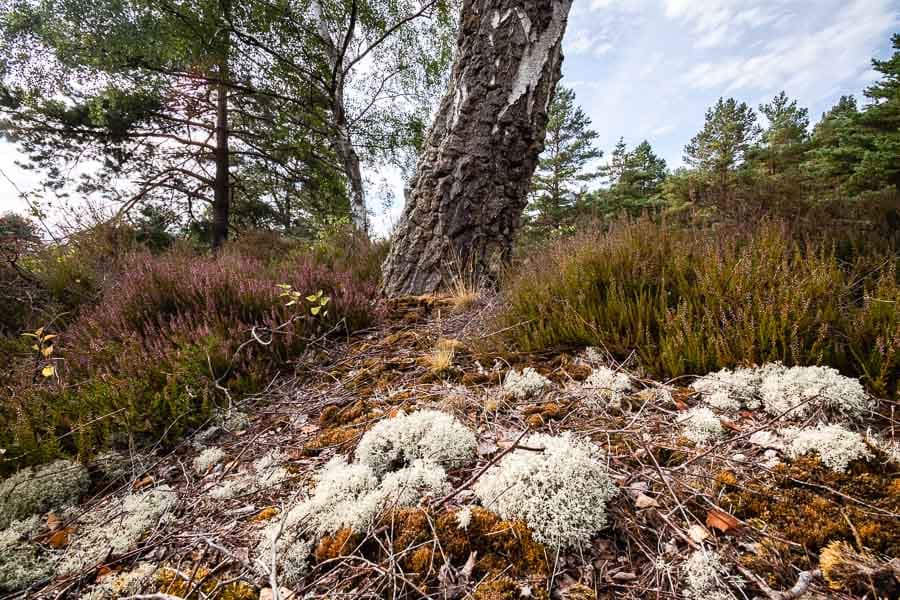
[472,180]
[343,144]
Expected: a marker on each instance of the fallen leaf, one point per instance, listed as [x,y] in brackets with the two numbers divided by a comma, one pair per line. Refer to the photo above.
[729,424]
[311,428]
[624,577]
[698,533]
[721,520]
[681,405]
[283,594]
[142,483]
[645,501]
[58,540]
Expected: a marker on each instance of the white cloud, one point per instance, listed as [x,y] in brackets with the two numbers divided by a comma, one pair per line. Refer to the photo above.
[807,60]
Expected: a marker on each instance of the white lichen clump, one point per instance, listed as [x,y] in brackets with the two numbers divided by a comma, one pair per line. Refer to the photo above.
[21,561]
[700,425]
[560,493]
[836,446]
[794,392]
[269,471]
[526,384]
[801,389]
[464,518]
[116,528]
[399,463]
[609,387]
[739,387]
[706,577]
[38,490]
[426,434]
[208,459]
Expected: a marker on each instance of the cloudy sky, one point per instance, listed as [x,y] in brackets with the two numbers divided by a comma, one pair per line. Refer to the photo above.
[648,69]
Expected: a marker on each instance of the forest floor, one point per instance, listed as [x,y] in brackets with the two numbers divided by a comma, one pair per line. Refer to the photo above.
[771,522]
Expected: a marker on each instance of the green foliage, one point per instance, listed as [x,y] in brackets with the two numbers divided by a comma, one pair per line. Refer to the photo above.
[784,140]
[635,181]
[728,134]
[560,179]
[688,300]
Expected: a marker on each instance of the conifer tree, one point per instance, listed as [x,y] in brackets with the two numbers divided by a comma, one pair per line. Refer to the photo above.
[563,170]
[784,140]
[721,146]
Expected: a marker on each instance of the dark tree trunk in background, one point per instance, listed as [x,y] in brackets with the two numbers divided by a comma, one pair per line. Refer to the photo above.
[472,180]
[222,187]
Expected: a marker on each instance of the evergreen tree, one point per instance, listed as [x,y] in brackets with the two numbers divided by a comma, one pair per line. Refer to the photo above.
[644,172]
[634,181]
[721,146]
[784,140]
[562,172]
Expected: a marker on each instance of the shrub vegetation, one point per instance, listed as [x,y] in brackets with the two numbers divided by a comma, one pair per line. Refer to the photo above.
[695,300]
[162,345]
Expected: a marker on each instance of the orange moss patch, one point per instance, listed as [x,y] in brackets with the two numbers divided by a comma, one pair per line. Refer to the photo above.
[540,414]
[798,506]
[506,588]
[265,514]
[331,438]
[333,546]
[173,583]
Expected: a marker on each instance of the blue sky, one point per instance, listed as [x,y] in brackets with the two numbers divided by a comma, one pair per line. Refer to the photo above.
[648,69]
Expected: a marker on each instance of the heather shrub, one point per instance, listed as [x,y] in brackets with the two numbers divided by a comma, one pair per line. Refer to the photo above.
[695,300]
[152,357]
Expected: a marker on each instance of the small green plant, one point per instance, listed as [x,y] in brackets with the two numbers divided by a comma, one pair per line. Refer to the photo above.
[317,302]
[43,352]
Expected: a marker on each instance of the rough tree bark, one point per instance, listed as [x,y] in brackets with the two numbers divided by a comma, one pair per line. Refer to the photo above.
[472,180]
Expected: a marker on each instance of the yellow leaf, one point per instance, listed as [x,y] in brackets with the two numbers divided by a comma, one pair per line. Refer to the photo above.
[312,298]
[47,338]
[39,332]
[48,371]
[47,351]
[315,310]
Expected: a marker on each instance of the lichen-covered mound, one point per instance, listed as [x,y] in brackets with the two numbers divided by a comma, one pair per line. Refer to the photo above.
[34,491]
[400,462]
[426,434]
[557,485]
[116,528]
[792,392]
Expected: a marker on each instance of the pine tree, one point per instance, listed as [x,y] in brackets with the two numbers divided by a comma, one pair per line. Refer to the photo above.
[644,172]
[784,140]
[634,181]
[562,171]
[721,146]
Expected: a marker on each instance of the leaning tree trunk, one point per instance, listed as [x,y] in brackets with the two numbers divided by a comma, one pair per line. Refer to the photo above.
[472,180]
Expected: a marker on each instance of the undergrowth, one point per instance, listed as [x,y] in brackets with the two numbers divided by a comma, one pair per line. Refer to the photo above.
[692,301]
[174,336]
